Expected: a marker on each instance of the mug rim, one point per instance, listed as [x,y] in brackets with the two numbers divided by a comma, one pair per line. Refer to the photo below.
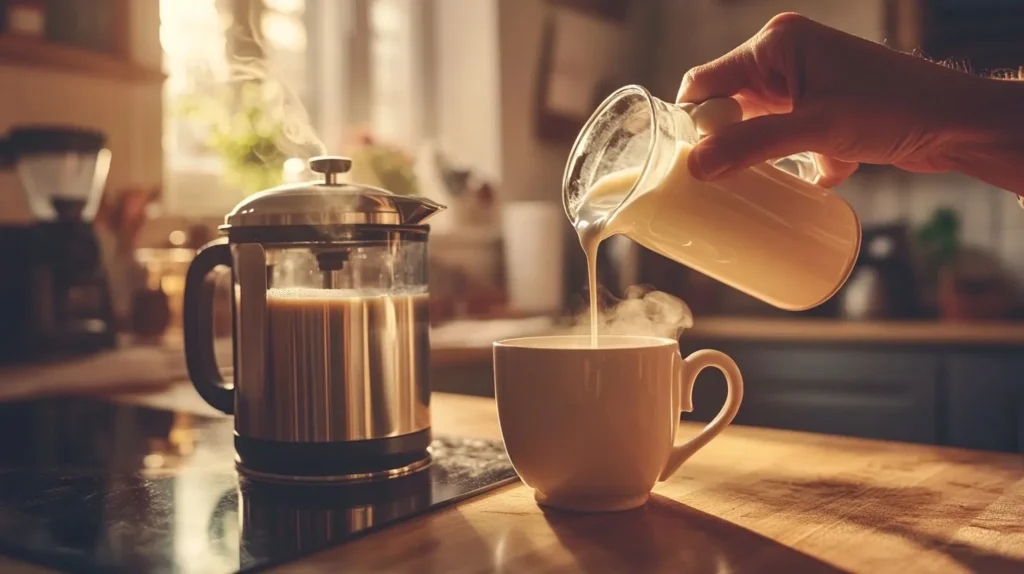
[654,342]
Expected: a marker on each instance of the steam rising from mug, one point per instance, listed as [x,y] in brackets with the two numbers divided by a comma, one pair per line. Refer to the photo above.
[642,312]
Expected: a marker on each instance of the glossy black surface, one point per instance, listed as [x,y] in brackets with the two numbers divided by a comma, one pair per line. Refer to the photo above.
[90,486]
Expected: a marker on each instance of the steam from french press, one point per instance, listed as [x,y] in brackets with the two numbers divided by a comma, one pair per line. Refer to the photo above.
[296,136]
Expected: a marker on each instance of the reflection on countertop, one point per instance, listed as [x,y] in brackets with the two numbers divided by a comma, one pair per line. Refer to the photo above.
[99,486]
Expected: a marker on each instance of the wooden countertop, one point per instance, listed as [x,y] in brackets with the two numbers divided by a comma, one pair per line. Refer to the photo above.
[755,500]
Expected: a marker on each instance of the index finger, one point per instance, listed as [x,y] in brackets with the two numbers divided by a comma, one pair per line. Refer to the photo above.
[722,77]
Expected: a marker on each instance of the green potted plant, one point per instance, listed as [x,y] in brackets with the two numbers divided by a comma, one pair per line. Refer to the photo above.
[246,129]
[967,283]
[939,239]
[938,242]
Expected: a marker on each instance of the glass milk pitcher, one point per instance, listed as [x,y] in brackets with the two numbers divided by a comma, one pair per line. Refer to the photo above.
[765,231]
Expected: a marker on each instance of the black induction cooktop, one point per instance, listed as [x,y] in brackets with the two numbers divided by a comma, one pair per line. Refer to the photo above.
[94,486]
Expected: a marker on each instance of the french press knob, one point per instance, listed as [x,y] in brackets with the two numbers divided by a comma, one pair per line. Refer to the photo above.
[331,166]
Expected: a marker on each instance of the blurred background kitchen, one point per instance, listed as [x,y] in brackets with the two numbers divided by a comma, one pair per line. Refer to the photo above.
[475,103]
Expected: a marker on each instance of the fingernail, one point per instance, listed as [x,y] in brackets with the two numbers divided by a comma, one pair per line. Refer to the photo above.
[684,85]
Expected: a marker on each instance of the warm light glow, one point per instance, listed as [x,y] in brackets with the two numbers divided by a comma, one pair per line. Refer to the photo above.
[284,32]
[286,6]
[153,461]
[388,17]
[177,238]
[191,36]
[293,170]
[294,166]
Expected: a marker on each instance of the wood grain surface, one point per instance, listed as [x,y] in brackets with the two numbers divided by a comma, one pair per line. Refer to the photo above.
[755,500]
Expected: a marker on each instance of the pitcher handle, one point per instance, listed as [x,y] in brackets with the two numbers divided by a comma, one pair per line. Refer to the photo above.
[686,373]
[200,357]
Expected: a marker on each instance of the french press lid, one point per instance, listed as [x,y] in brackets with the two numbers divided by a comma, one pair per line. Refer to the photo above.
[326,205]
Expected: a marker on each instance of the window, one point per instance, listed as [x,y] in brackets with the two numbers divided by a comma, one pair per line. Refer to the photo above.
[399,76]
[193,41]
[332,66]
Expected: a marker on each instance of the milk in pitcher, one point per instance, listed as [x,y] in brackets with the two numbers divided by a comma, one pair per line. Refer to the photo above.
[762,230]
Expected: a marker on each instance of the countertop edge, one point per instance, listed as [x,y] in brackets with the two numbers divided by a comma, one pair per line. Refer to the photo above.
[1005,334]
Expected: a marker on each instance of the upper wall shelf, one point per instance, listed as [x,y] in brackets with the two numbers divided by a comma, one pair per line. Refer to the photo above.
[39,54]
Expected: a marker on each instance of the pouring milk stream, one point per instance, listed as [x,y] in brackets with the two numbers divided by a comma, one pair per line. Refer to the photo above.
[764,231]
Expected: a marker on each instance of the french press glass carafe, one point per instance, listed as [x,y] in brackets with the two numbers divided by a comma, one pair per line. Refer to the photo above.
[331,329]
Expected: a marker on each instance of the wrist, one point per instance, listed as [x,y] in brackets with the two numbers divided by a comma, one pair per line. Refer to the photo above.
[984,111]
[984,132]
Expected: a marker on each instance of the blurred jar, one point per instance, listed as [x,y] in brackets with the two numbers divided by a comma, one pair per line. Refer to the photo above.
[165,274]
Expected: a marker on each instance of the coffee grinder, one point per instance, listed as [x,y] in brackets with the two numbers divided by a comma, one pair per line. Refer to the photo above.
[54,296]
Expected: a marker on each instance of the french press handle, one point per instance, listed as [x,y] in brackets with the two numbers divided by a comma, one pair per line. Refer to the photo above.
[200,356]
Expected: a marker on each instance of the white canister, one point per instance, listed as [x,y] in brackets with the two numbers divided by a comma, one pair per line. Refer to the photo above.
[532,236]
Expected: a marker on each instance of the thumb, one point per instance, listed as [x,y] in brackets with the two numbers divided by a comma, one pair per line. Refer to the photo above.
[757,140]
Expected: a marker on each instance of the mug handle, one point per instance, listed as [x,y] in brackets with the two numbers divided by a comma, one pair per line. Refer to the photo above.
[686,373]
[200,357]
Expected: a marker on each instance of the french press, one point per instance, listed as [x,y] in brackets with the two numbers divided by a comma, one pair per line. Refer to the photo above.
[331,329]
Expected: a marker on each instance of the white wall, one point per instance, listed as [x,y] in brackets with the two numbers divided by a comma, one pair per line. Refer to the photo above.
[531,167]
[468,92]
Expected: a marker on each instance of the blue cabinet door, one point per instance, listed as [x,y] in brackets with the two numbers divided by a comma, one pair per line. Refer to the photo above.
[984,407]
[864,392]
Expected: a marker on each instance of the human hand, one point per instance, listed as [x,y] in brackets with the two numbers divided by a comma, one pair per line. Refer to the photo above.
[806,87]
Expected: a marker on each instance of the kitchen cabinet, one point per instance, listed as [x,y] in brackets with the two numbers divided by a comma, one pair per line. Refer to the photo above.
[984,400]
[91,38]
[870,393]
[970,398]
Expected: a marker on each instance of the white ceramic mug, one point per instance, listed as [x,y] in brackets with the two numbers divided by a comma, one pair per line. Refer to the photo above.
[593,429]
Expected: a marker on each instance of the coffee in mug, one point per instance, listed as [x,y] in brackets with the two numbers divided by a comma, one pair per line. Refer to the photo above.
[594,428]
